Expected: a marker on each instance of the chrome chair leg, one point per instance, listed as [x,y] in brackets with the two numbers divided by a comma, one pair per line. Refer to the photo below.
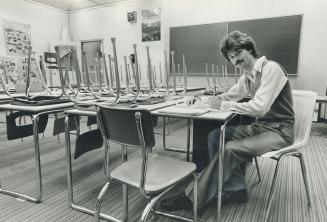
[125,203]
[195,197]
[305,178]
[272,189]
[58,136]
[106,161]
[20,123]
[176,217]
[70,180]
[257,167]
[99,201]
[151,203]
[148,208]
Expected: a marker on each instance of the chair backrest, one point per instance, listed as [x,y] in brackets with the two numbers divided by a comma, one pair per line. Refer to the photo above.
[303,103]
[127,126]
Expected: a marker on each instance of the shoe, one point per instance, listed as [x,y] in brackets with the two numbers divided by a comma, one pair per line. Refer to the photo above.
[238,196]
[178,202]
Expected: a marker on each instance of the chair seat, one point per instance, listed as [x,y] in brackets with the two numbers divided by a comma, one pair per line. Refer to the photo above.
[162,172]
[295,146]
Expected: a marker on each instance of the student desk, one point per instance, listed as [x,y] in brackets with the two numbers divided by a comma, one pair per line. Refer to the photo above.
[156,110]
[36,112]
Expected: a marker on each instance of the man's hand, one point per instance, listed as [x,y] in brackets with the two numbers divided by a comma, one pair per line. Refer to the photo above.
[215,102]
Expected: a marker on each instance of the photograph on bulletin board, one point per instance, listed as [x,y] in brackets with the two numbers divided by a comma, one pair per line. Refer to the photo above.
[17,38]
[151,25]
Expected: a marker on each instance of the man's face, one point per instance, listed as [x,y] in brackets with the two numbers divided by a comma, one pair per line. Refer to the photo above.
[241,58]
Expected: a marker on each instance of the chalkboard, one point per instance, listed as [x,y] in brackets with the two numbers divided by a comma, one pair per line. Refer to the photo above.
[199,44]
[277,38]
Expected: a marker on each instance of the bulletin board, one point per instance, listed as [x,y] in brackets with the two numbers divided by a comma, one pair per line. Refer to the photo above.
[17,38]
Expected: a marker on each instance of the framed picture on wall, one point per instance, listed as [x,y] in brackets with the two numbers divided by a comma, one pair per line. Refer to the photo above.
[131,16]
[151,25]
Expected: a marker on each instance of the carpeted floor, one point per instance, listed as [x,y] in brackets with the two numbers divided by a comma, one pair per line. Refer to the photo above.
[17,173]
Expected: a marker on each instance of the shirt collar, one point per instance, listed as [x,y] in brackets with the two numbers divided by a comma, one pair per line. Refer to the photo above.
[257,67]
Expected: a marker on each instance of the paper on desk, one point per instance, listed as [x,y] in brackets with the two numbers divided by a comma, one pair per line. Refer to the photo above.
[184,110]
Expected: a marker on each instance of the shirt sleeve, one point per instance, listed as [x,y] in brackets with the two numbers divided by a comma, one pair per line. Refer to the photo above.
[272,82]
[236,92]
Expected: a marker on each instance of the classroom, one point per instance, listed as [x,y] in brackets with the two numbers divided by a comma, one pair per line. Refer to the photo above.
[163,110]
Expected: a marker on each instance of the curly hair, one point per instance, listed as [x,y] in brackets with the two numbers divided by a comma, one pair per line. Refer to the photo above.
[236,40]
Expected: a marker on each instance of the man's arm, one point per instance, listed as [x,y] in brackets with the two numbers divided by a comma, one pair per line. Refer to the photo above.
[235,93]
[272,82]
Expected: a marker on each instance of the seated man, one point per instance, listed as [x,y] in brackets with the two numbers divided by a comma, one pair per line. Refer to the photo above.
[272,105]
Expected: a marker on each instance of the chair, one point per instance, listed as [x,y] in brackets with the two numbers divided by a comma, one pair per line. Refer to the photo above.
[303,104]
[151,173]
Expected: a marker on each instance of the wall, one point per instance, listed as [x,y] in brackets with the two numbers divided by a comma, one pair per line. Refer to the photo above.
[111,21]
[46,23]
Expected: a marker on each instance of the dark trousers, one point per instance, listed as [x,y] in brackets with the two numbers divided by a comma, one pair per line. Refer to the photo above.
[242,143]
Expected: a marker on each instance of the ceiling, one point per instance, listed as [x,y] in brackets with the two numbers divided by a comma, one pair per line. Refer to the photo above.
[71,5]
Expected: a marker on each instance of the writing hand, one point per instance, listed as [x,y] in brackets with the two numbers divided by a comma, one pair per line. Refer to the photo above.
[215,102]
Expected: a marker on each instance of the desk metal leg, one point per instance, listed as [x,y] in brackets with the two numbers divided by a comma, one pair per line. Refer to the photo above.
[220,168]
[68,162]
[221,153]
[188,141]
[164,122]
[38,199]
[35,120]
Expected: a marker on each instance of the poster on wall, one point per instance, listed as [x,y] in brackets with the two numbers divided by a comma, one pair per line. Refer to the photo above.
[22,66]
[17,37]
[10,70]
[151,22]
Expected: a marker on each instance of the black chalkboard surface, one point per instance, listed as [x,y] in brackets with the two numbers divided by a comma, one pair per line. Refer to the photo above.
[277,38]
[199,44]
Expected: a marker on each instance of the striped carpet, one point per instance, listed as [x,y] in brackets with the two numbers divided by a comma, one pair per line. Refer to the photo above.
[17,173]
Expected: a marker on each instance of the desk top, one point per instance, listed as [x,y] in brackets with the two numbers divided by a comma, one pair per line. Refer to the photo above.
[152,107]
[181,89]
[36,109]
[159,108]
[5,97]
[210,115]
[160,105]
[207,114]
[79,112]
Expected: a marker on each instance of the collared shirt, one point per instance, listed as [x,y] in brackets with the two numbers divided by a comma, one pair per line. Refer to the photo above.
[268,87]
